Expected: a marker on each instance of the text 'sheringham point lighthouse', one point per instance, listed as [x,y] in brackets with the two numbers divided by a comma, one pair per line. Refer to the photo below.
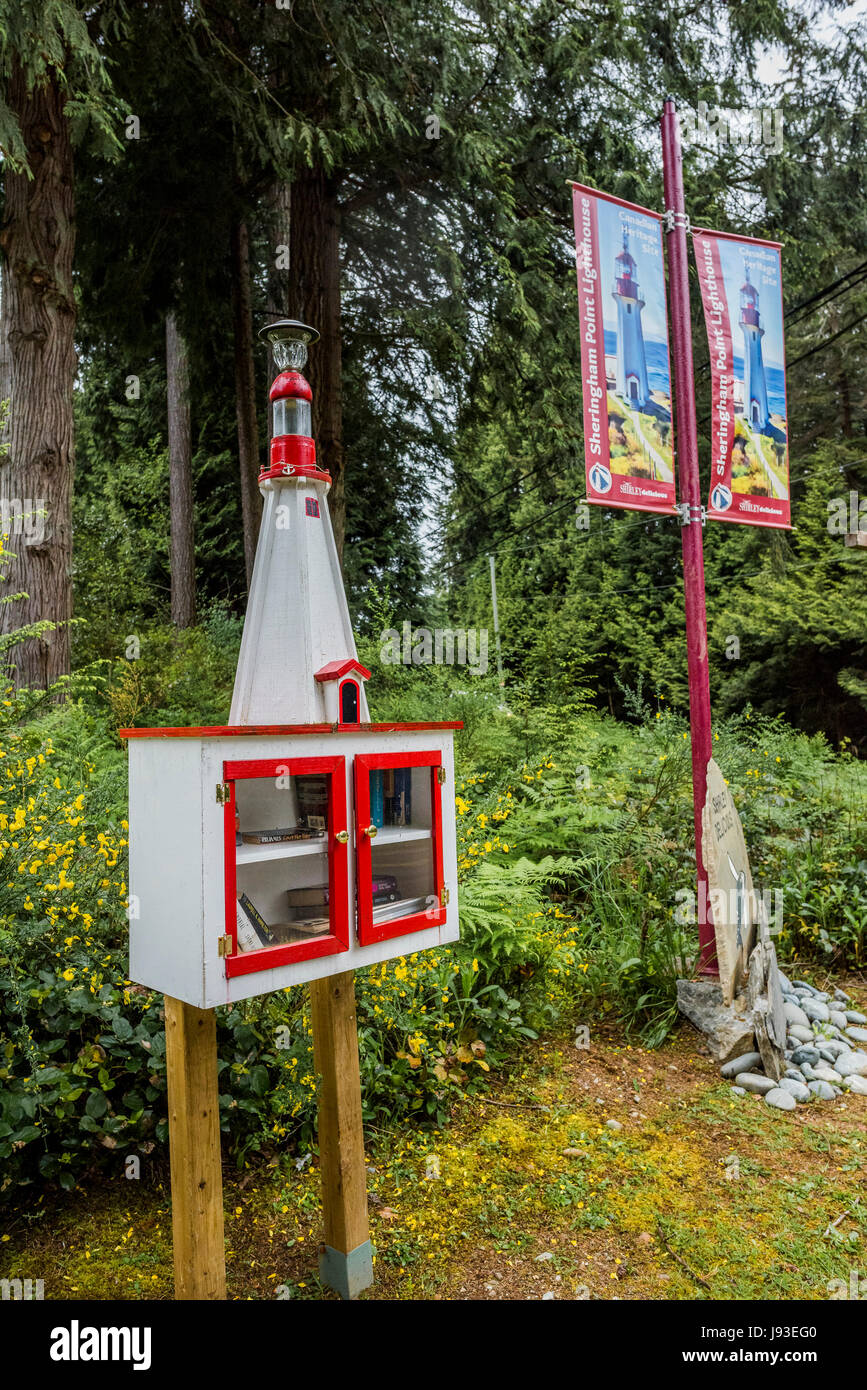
[632,385]
[755,390]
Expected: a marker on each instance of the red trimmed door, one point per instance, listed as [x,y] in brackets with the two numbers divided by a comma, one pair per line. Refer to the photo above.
[398,844]
[286,861]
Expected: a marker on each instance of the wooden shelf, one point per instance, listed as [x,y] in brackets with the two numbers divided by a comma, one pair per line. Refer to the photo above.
[288,849]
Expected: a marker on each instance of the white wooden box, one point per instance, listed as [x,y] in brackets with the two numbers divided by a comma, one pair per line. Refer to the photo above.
[186,869]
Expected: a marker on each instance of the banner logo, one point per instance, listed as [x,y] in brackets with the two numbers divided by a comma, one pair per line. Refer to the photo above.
[720,498]
[600,477]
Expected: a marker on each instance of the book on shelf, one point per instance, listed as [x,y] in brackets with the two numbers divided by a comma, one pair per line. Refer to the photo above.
[286,933]
[314,896]
[377,799]
[279,836]
[385,889]
[253,932]
[402,813]
[312,792]
[405,907]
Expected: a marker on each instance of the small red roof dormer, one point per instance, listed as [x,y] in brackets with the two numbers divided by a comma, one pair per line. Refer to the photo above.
[336,670]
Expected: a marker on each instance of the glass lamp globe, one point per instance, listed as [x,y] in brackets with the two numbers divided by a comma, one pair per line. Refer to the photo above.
[289,340]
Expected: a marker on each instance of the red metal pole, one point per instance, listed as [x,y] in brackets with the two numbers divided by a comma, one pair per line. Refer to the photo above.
[690,494]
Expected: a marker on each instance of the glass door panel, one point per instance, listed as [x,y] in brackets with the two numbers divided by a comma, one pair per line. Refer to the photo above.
[399,844]
[286,861]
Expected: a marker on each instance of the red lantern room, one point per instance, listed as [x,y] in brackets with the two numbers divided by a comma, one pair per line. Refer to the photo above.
[293,451]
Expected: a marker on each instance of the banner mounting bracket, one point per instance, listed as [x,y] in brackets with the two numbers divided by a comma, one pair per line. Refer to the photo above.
[672,219]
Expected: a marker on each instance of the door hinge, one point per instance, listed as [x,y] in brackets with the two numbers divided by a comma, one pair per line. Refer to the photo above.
[223,792]
[441,775]
[444,897]
[224,946]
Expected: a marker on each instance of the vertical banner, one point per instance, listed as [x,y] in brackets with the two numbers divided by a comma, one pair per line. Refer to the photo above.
[742,292]
[625,370]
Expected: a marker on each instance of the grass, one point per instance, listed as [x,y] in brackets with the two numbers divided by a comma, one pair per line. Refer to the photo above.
[699,1195]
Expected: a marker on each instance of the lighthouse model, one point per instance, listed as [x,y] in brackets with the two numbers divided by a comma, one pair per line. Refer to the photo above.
[300,840]
[755,390]
[632,385]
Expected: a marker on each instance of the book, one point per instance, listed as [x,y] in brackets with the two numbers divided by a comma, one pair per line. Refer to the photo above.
[388,795]
[402,796]
[311,926]
[312,792]
[252,930]
[288,933]
[279,836]
[406,907]
[385,889]
[377,799]
[315,896]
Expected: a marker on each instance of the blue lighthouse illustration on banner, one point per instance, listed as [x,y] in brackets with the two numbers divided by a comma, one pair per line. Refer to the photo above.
[632,383]
[755,406]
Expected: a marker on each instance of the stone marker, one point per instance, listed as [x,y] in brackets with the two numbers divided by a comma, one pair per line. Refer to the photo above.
[728,1028]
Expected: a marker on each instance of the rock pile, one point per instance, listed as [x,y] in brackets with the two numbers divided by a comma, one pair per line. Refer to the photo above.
[824,1052]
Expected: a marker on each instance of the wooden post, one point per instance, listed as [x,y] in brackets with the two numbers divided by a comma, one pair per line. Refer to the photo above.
[194,1148]
[346,1262]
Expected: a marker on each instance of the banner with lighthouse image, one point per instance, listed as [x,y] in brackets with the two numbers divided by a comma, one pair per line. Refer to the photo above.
[625,370]
[742,293]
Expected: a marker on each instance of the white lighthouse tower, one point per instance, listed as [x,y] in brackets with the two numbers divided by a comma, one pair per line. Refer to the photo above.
[297,622]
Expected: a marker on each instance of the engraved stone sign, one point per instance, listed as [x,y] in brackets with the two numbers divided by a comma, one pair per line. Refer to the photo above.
[730,883]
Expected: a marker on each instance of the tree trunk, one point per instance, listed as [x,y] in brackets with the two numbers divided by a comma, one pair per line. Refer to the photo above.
[38,241]
[183,561]
[245,394]
[314,260]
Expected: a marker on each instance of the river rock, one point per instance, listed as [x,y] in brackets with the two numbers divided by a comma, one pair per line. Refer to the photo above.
[815,1009]
[856,1084]
[802,984]
[842,996]
[794,1074]
[821,1090]
[805,1054]
[798,1089]
[795,1014]
[800,1033]
[827,1055]
[751,1081]
[826,1073]
[839,1019]
[852,1016]
[737,1090]
[780,1099]
[851,1064]
[745,1062]
[857,1034]
[785,982]
[809,1074]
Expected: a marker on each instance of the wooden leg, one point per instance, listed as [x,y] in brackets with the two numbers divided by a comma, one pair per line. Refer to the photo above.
[194,1147]
[346,1264]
